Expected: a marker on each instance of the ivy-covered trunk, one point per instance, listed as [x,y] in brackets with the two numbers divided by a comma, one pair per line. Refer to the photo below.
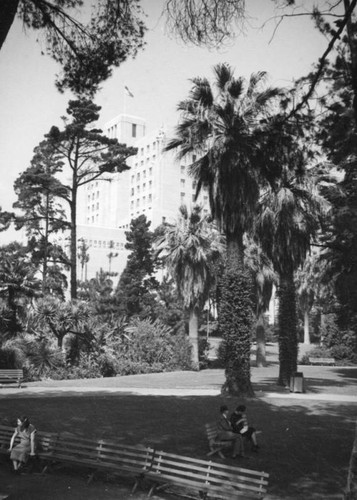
[235,317]
[288,337]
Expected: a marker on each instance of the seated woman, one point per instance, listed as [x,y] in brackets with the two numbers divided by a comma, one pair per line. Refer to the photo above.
[239,423]
[26,432]
[225,433]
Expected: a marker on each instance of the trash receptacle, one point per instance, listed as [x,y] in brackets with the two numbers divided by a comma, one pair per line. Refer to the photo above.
[297,382]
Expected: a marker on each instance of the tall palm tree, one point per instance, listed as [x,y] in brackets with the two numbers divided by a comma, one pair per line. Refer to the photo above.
[289,218]
[224,126]
[189,248]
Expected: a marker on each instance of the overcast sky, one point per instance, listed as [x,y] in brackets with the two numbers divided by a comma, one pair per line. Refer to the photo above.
[158,78]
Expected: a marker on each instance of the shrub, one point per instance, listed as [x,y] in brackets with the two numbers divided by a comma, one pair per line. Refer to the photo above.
[152,343]
[9,358]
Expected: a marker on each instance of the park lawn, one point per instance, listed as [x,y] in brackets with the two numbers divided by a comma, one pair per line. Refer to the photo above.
[306,444]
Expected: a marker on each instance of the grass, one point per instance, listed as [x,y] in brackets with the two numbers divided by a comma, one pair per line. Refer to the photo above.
[306,444]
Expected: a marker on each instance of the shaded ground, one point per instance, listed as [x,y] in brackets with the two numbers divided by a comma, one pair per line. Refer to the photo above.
[306,443]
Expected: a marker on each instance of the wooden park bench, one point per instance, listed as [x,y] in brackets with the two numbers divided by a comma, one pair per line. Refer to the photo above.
[208,479]
[322,361]
[100,455]
[215,444]
[12,376]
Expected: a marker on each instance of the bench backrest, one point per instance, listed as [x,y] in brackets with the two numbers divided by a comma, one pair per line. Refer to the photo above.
[102,453]
[16,373]
[208,475]
[211,431]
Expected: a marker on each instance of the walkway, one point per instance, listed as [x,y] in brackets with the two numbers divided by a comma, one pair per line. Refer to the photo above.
[322,383]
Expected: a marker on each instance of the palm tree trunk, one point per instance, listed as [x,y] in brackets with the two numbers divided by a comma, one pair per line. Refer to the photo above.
[235,252]
[260,337]
[288,338]
[235,318]
[193,336]
[306,328]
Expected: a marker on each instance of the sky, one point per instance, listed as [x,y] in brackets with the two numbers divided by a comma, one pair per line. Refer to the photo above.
[159,77]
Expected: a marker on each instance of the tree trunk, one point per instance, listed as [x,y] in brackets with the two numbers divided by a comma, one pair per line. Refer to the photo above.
[260,338]
[8,11]
[288,338]
[193,336]
[73,250]
[235,318]
[353,52]
[306,328]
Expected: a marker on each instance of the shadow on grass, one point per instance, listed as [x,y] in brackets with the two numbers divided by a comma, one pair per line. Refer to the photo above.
[305,447]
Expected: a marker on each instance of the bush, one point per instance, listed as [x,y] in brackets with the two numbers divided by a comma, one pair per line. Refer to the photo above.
[9,358]
[151,343]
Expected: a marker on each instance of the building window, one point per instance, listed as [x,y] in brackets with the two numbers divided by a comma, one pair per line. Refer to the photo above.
[163,220]
[137,203]
[182,197]
[150,184]
[97,194]
[182,183]
[194,185]
[183,169]
[144,200]
[193,198]
[138,177]
[93,196]
[133,130]
[97,206]
[131,205]
[138,189]
[142,151]
[150,171]
[194,157]
[150,198]
[132,191]
[132,179]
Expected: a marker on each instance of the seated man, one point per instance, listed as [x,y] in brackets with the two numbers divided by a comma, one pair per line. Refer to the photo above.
[225,433]
[239,423]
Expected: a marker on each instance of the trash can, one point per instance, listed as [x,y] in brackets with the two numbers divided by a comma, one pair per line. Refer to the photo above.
[297,382]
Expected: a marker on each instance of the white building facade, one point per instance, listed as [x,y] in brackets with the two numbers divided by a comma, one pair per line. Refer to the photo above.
[156,185]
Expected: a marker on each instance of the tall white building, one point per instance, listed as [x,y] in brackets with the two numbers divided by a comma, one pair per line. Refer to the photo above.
[156,185]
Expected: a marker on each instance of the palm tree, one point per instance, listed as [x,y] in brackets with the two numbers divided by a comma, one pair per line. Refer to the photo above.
[189,248]
[224,129]
[18,282]
[289,218]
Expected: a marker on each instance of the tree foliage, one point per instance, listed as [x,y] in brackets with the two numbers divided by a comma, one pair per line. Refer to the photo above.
[189,248]
[137,281]
[87,155]
[86,51]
